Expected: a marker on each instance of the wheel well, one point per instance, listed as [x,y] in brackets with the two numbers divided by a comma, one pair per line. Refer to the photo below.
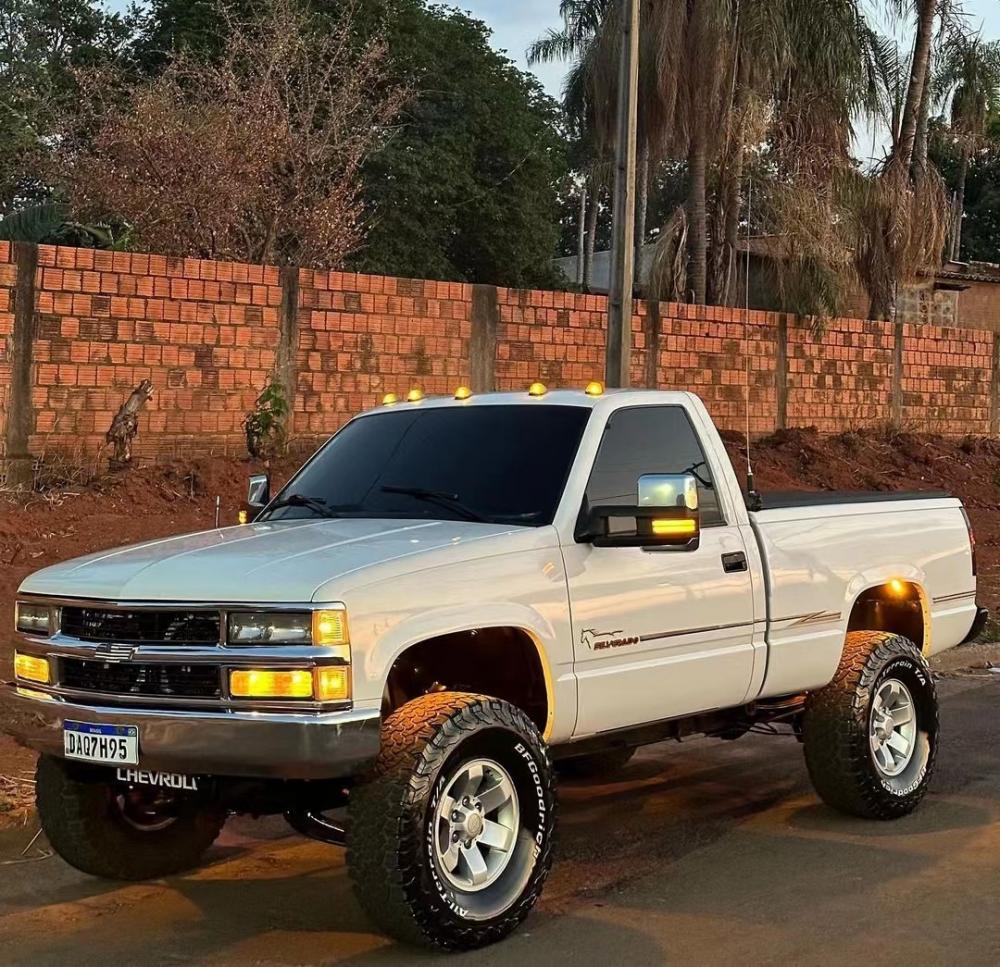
[896,606]
[502,662]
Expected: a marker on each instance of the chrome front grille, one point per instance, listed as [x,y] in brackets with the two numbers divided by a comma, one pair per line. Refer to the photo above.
[141,627]
[147,680]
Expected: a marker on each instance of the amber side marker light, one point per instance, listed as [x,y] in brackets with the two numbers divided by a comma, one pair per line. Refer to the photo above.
[537,389]
[333,683]
[595,388]
[29,668]
[675,528]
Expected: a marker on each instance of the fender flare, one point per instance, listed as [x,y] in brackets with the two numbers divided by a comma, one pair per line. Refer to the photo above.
[389,648]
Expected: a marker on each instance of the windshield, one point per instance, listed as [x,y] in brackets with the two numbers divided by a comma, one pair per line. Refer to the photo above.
[495,464]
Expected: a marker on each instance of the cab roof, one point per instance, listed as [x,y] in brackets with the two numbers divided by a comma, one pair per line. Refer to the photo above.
[610,398]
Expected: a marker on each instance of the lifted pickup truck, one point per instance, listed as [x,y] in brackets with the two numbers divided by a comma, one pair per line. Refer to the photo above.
[448,597]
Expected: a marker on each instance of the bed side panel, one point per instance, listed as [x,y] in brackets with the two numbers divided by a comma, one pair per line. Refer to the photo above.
[820,559]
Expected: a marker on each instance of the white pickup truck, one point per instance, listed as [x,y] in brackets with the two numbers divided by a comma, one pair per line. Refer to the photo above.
[448,597]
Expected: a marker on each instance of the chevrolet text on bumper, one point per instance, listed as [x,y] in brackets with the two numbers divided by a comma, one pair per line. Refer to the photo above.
[451,594]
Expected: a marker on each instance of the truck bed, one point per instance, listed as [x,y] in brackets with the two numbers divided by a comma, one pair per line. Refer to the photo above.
[822,551]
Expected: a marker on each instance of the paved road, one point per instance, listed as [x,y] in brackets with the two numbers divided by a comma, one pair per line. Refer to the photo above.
[707,853]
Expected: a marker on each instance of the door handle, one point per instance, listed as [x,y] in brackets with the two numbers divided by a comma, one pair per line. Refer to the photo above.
[734,563]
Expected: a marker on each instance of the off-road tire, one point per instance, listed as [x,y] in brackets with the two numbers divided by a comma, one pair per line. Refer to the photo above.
[836,729]
[390,834]
[78,818]
[597,765]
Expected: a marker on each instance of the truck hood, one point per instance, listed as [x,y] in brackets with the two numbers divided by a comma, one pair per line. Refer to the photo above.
[276,562]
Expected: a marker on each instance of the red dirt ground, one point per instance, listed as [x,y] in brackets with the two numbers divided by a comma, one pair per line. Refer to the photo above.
[156,501]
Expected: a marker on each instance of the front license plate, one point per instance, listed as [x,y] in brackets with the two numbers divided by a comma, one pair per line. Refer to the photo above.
[107,745]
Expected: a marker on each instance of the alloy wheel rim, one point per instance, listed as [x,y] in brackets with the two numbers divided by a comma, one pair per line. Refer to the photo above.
[475,825]
[892,732]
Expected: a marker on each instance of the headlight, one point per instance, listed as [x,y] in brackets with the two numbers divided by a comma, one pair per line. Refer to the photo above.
[33,619]
[270,628]
[324,629]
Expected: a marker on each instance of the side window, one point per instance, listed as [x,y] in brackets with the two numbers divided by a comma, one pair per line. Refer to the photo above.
[650,439]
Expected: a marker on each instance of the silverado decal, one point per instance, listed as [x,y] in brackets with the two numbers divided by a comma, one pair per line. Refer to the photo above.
[603,640]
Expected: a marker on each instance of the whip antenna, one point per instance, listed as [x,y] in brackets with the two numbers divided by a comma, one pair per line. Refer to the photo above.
[754,502]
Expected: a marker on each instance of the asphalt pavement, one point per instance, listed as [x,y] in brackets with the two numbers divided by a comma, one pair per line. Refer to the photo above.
[702,853]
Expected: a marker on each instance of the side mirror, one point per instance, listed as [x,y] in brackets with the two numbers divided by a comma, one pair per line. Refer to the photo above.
[258,495]
[666,516]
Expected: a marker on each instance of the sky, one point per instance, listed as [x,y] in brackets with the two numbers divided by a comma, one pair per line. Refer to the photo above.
[516,23]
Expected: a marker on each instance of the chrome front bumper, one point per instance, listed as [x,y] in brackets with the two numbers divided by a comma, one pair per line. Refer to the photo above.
[265,745]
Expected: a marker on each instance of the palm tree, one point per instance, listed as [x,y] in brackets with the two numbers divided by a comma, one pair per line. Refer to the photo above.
[589,40]
[917,103]
[578,42]
[968,77]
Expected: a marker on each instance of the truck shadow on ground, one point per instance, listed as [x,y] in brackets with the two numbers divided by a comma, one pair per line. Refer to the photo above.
[683,832]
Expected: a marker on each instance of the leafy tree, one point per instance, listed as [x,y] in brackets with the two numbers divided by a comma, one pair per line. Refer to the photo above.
[254,156]
[466,187]
[968,82]
[42,43]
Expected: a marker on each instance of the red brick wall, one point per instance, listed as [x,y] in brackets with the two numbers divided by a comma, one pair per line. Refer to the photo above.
[840,375]
[204,332]
[7,278]
[210,335]
[556,337]
[946,379]
[706,349]
[361,336]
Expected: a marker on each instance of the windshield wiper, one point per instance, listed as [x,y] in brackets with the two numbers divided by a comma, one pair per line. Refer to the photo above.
[316,504]
[450,502]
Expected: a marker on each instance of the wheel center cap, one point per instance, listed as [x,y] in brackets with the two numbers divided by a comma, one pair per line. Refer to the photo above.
[474,825]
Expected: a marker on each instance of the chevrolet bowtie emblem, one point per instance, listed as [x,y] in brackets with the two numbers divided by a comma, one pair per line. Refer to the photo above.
[115,651]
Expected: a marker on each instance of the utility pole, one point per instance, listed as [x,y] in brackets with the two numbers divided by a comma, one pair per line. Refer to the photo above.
[619,349]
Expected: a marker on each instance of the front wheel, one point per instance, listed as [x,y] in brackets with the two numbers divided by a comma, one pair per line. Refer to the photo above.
[120,832]
[450,837]
[871,735]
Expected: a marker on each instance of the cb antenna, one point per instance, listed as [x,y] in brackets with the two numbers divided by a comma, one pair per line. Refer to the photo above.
[754,501]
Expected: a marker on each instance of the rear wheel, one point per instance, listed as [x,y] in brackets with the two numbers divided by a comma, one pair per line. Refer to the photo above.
[450,837]
[121,832]
[871,735]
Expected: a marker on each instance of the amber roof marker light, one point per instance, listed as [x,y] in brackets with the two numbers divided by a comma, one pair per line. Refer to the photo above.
[389,399]
[463,393]
[537,389]
[415,395]
[595,388]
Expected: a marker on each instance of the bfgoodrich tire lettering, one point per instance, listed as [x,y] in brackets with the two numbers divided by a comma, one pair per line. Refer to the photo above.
[840,734]
[395,816]
[85,826]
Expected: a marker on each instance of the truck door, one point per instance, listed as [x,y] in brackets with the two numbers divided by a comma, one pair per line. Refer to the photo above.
[658,633]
